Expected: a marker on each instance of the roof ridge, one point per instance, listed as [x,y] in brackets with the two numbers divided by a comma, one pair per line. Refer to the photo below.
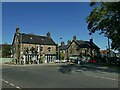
[79,40]
[63,45]
[34,35]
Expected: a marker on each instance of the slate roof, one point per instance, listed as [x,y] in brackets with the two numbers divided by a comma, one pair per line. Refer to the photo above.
[36,39]
[86,44]
[81,44]
[63,47]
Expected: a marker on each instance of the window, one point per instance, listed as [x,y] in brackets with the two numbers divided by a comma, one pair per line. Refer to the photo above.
[49,49]
[37,48]
[63,51]
[29,47]
[41,48]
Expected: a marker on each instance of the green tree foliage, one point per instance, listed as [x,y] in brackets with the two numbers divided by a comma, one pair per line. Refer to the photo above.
[6,51]
[62,56]
[105,17]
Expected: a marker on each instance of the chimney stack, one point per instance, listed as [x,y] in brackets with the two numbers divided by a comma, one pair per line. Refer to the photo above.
[68,43]
[62,43]
[91,40]
[17,30]
[48,34]
[74,37]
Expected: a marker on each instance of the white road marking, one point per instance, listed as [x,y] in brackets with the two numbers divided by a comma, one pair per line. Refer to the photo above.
[101,77]
[17,87]
[11,84]
[2,79]
[6,81]
[108,78]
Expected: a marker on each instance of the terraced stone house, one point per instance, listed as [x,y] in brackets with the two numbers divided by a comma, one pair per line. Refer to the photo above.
[30,48]
[77,48]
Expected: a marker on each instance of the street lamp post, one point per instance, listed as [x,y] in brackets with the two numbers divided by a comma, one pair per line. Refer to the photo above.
[59,50]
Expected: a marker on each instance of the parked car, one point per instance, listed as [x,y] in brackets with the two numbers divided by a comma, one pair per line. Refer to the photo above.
[57,61]
[74,61]
[92,61]
[64,61]
[85,59]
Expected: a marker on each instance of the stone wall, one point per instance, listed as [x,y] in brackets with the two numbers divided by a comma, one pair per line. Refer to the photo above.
[37,46]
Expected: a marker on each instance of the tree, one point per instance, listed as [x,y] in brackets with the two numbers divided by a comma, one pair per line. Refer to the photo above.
[105,17]
[62,56]
[6,51]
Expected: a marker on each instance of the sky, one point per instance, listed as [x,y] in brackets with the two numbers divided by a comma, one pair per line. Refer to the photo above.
[61,19]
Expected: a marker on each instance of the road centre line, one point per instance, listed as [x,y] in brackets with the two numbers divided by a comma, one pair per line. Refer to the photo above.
[101,77]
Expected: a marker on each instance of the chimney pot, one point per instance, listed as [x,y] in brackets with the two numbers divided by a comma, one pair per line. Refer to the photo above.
[74,37]
[48,34]
[17,30]
[62,43]
[91,40]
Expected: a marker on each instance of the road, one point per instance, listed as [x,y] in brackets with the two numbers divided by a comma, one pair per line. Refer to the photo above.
[52,76]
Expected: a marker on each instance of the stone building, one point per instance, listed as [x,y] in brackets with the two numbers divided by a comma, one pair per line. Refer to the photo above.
[78,48]
[63,49]
[30,48]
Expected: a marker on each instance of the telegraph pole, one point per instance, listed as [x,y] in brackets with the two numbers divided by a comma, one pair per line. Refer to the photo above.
[108,47]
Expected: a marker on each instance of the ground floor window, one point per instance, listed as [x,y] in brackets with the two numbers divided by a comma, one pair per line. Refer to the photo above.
[30,58]
[36,59]
[50,58]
